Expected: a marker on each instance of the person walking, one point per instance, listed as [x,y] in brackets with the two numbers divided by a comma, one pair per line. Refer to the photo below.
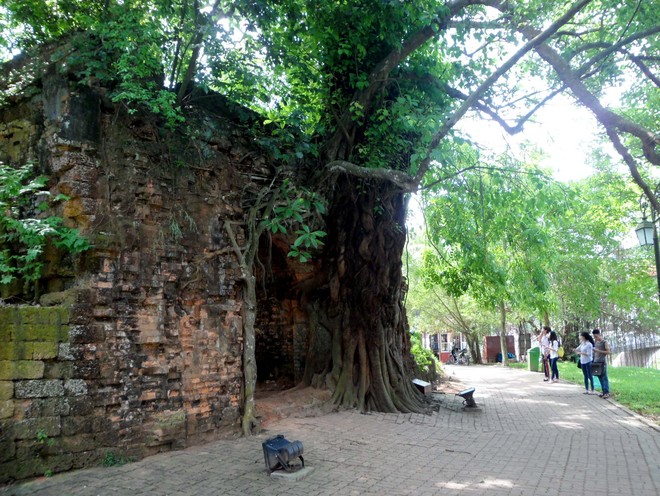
[554,355]
[586,352]
[601,350]
[544,344]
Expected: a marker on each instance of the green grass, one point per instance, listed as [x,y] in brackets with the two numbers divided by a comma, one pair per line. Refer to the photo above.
[635,387]
[112,459]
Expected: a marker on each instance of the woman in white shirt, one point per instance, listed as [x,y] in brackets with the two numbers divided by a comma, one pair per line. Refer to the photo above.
[586,352]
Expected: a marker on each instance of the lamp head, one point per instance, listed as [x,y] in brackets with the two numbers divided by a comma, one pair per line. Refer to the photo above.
[644,231]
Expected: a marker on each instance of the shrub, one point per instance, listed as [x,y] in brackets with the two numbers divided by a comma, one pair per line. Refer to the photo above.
[424,357]
[23,233]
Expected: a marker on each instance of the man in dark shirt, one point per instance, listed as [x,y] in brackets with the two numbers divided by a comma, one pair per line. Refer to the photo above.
[601,350]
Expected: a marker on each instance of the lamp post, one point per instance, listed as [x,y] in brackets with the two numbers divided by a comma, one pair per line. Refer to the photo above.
[647,231]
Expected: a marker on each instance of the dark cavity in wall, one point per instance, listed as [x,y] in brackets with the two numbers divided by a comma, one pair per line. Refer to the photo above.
[275,337]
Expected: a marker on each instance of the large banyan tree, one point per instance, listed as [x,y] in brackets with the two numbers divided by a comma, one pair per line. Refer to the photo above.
[360,100]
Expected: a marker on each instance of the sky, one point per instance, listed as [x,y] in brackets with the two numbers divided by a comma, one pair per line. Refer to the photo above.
[563,130]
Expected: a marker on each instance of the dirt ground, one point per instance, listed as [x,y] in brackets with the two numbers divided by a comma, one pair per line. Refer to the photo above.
[273,404]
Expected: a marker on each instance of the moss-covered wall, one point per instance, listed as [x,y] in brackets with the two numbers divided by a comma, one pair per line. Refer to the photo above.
[42,399]
[146,354]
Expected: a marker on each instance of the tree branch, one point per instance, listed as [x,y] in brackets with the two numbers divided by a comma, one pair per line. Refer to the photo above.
[197,40]
[632,165]
[492,113]
[609,49]
[605,116]
[379,75]
[643,67]
[478,93]
[399,178]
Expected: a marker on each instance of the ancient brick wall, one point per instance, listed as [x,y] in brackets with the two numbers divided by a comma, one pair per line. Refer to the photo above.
[154,310]
[42,398]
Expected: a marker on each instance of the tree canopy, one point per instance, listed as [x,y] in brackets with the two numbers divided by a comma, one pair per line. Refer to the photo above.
[379,83]
[362,99]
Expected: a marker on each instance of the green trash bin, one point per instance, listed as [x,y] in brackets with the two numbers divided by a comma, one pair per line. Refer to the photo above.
[533,355]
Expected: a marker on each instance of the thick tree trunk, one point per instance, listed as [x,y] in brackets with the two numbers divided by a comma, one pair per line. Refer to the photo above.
[359,303]
[474,346]
[546,318]
[250,425]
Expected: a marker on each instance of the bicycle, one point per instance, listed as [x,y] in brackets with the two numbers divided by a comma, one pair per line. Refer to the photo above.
[462,358]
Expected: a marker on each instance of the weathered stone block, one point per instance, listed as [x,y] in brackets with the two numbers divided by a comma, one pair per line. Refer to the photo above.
[21,369]
[43,351]
[28,315]
[86,333]
[76,425]
[102,424]
[80,405]
[59,463]
[42,316]
[78,443]
[8,317]
[75,387]
[6,331]
[87,458]
[31,447]
[65,352]
[7,449]
[88,370]
[6,409]
[167,427]
[6,370]
[39,388]
[55,407]
[31,428]
[6,390]
[63,333]
[63,315]
[29,369]
[8,471]
[42,407]
[37,332]
[111,438]
[54,298]
[48,316]
[14,350]
[58,370]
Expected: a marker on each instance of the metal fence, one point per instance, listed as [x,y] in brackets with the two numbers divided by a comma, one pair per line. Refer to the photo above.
[631,344]
[631,349]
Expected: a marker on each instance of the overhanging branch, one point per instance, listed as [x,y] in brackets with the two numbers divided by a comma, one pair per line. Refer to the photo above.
[609,119]
[632,166]
[609,49]
[478,93]
[399,178]
[612,122]
[492,113]
[644,68]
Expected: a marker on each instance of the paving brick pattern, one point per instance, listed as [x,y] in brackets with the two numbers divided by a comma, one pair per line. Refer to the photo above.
[526,437]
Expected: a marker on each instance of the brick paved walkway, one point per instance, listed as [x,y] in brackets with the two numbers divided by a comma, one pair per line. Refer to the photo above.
[526,438]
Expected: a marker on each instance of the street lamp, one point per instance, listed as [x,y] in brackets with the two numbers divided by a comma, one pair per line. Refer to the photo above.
[647,231]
